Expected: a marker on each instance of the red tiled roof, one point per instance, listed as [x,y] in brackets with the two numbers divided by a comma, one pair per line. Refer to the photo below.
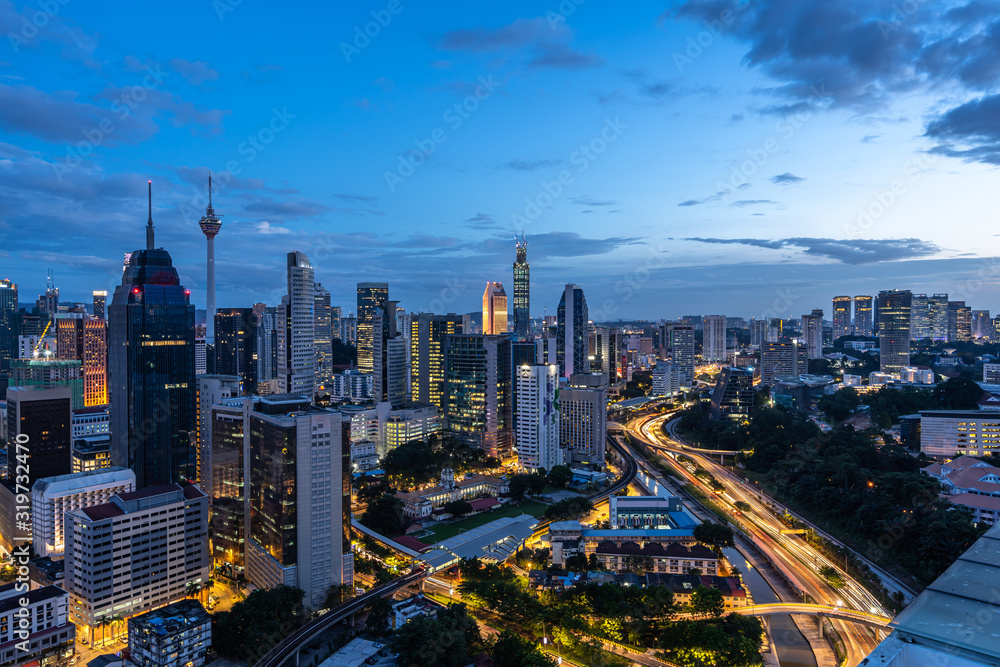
[480,504]
[411,542]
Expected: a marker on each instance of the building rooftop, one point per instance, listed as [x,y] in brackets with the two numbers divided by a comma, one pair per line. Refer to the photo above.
[171,619]
[10,596]
[494,541]
[81,480]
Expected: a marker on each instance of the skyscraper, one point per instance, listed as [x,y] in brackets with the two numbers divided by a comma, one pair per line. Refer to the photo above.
[86,340]
[919,317]
[982,325]
[537,434]
[296,331]
[427,336]
[335,314]
[236,346]
[894,329]
[733,396]
[572,332]
[266,348]
[714,341]
[863,316]
[959,322]
[494,310]
[842,316]
[607,351]
[152,378]
[583,418]
[371,296]
[9,329]
[937,317]
[45,417]
[100,299]
[477,378]
[758,332]
[812,332]
[388,356]
[323,334]
[211,389]
[522,288]
[785,358]
[210,224]
[682,352]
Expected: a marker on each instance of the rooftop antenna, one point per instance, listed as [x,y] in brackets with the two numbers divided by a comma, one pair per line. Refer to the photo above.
[149,222]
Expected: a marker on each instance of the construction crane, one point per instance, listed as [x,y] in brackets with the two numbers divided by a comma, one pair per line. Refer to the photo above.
[34,353]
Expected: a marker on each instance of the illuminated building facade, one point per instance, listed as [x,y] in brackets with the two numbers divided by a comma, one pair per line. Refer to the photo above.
[894,330]
[494,310]
[522,289]
[427,336]
[842,316]
[863,316]
[371,297]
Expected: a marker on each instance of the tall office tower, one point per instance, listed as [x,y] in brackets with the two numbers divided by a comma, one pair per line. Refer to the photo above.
[787,358]
[137,552]
[100,301]
[607,351]
[388,356]
[476,387]
[403,327]
[894,330]
[522,288]
[45,417]
[335,323]
[9,329]
[920,317]
[714,341]
[371,296]
[427,368]
[296,331]
[863,316]
[583,418]
[48,303]
[758,332]
[152,374]
[212,389]
[812,331]
[52,497]
[572,326]
[537,435]
[937,317]
[682,354]
[86,341]
[665,380]
[842,316]
[494,310]
[349,329]
[323,334]
[236,346]
[266,349]
[210,225]
[732,398]
[225,483]
[982,325]
[300,498]
[49,373]
[959,322]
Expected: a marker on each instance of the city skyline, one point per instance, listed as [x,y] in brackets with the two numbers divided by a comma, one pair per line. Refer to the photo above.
[846,176]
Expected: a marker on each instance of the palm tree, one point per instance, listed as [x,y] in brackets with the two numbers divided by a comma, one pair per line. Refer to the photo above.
[192,589]
[100,622]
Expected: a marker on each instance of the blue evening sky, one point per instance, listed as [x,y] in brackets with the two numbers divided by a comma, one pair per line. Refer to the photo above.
[742,157]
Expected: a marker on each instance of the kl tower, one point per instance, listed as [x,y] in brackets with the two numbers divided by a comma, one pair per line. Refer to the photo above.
[210,225]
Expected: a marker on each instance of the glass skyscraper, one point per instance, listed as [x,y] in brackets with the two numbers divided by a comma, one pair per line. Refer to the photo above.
[8,329]
[522,290]
[371,297]
[572,332]
[894,329]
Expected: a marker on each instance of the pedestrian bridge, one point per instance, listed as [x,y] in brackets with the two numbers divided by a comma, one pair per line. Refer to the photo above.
[825,610]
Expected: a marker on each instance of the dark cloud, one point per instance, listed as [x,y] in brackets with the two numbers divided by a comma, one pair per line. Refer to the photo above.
[561,56]
[548,44]
[288,207]
[848,251]
[786,178]
[565,244]
[970,132]
[482,221]
[530,165]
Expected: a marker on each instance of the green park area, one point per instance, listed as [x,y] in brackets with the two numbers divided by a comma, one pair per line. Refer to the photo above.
[452,529]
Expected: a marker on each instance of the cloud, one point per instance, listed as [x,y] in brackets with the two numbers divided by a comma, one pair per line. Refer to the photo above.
[548,45]
[698,202]
[970,132]
[561,56]
[530,165]
[848,251]
[590,201]
[743,203]
[786,178]
[195,72]
[387,85]
[288,207]
[267,229]
[870,138]
[482,221]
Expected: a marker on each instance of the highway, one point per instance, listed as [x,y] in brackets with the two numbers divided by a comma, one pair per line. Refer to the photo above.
[798,561]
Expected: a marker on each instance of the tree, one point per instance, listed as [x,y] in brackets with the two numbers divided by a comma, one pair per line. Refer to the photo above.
[742,506]
[839,405]
[427,641]
[258,623]
[372,488]
[560,476]
[510,650]
[567,509]
[458,507]
[378,615]
[707,601]
[958,394]
[536,483]
[714,535]
[336,595]
[832,576]
[384,515]
[518,487]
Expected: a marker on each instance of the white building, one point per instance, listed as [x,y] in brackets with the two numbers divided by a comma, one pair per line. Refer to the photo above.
[137,552]
[50,633]
[951,433]
[714,341]
[211,390]
[851,380]
[916,375]
[352,385]
[177,635]
[537,433]
[666,380]
[91,421]
[583,418]
[52,497]
[296,329]
[812,332]
[991,373]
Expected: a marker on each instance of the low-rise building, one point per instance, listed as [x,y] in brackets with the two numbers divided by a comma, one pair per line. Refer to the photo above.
[734,596]
[652,557]
[945,434]
[177,635]
[91,452]
[411,608]
[45,617]
[419,504]
[570,538]
[970,483]
[649,512]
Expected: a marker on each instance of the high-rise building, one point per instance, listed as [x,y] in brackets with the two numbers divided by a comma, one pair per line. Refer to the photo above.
[212,389]
[296,332]
[732,398]
[300,498]
[665,379]
[323,334]
[388,356]
[606,349]
[178,635]
[522,288]
[785,358]
[236,346]
[225,483]
[85,340]
[336,330]
[863,316]
[45,417]
[572,332]
[349,329]
[46,634]
[714,340]
[937,317]
[137,552]
[371,296]
[210,225]
[266,348]
[49,373]
[48,303]
[919,317]
[894,330]
[682,352]
[537,434]
[427,368]
[476,388]
[494,310]
[758,332]
[583,418]
[959,322]
[100,310]
[982,325]
[842,316]
[152,374]
[812,332]
[9,329]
